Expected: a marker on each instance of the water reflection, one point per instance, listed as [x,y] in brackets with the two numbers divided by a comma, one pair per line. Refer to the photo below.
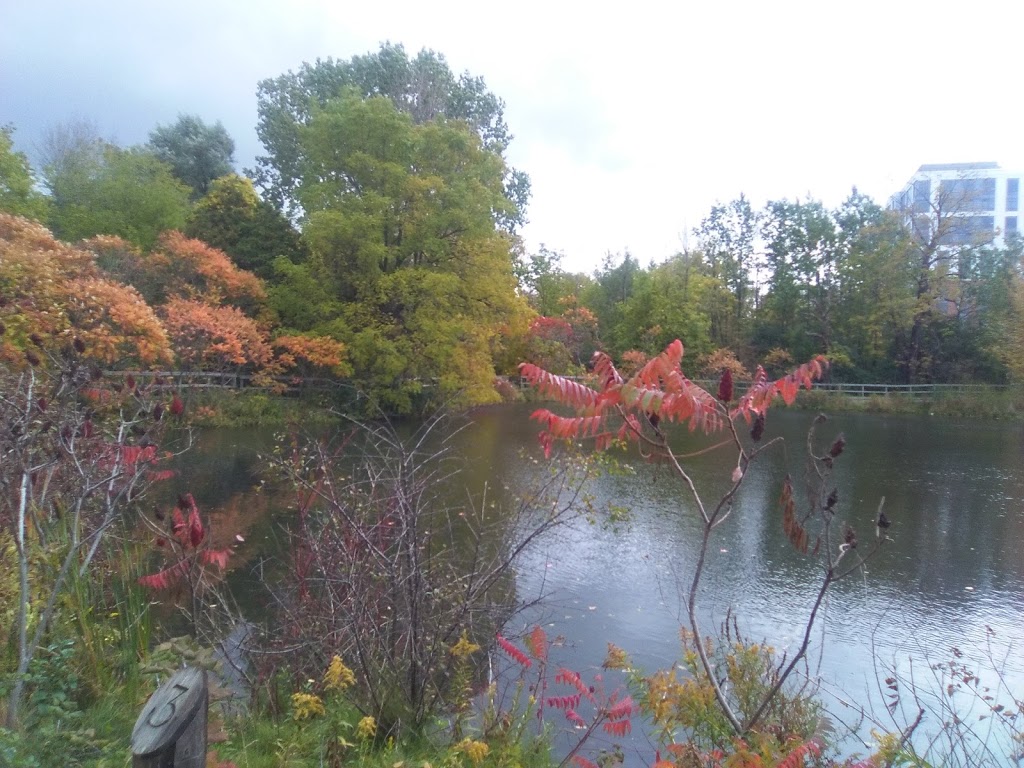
[954,492]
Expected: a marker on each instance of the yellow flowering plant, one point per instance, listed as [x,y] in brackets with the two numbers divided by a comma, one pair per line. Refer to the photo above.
[306,706]
[474,751]
[367,728]
[464,648]
[338,677]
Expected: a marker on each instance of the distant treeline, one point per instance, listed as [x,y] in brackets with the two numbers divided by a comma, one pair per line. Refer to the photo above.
[378,238]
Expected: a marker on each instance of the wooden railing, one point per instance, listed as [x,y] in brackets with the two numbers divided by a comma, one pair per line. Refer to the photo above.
[299,384]
[227,380]
[909,390]
[852,390]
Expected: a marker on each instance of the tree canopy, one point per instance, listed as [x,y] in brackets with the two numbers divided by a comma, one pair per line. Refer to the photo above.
[233,218]
[197,153]
[402,224]
[424,88]
[100,189]
[385,223]
[18,194]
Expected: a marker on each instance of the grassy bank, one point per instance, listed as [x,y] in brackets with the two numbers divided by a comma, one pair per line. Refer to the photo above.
[248,408]
[984,403]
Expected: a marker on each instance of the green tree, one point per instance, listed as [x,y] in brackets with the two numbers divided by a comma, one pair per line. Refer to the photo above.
[1011,349]
[301,301]
[402,223]
[944,254]
[726,238]
[876,297]
[18,194]
[68,144]
[796,313]
[423,87]
[198,153]
[605,296]
[232,217]
[112,191]
[544,283]
[979,314]
[670,301]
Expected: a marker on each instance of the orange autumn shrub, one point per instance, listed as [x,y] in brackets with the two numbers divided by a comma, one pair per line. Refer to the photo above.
[311,353]
[215,338]
[52,293]
[179,267]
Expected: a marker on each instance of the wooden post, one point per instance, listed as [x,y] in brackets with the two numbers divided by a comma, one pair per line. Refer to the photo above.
[171,730]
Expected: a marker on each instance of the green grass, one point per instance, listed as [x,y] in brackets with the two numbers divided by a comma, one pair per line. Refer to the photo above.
[247,408]
[996,404]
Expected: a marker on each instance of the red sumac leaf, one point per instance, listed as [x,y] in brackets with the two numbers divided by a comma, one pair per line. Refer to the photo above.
[605,370]
[166,578]
[617,728]
[788,389]
[514,653]
[621,709]
[796,758]
[537,643]
[218,557]
[561,389]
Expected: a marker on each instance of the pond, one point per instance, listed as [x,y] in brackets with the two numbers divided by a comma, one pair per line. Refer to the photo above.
[952,577]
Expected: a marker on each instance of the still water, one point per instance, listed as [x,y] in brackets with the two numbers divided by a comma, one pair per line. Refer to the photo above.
[954,571]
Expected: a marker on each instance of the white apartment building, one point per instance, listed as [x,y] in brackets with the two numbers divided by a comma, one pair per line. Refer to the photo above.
[978,203]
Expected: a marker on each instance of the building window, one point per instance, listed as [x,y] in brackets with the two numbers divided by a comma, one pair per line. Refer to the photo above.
[1012,193]
[1011,225]
[961,195]
[922,196]
[968,230]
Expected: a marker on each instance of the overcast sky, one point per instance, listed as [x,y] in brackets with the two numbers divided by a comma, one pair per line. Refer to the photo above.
[631,118]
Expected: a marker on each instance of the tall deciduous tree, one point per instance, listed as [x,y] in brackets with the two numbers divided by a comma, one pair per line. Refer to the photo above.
[876,297]
[543,281]
[727,237]
[18,194]
[232,217]
[402,222]
[606,295]
[198,153]
[947,256]
[423,87]
[104,190]
[801,258]
[669,301]
[65,145]
[1012,347]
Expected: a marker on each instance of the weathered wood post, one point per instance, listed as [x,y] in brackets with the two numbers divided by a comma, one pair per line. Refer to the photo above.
[171,730]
